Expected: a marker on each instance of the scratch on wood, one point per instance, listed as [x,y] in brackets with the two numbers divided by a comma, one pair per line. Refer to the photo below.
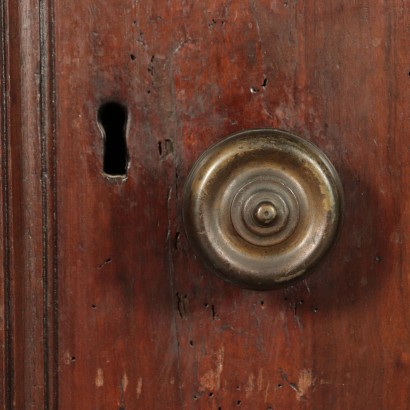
[254,384]
[292,385]
[298,322]
[99,378]
[139,387]
[124,382]
[250,385]
[69,358]
[305,383]
[213,312]
[211,380]
[169,199]
[123,388]
[106,262]
[259,381]
[183,305]
[267,391]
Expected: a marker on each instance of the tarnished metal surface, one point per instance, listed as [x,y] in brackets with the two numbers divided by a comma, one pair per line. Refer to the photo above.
[261,207]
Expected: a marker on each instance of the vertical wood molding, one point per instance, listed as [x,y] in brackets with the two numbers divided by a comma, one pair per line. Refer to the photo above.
[29,278]
[5,346]
[49,200]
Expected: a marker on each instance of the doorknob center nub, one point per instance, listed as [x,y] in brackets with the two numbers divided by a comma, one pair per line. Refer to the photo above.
[265,213]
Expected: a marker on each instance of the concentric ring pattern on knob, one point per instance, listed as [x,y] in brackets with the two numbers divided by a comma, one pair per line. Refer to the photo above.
[261,207]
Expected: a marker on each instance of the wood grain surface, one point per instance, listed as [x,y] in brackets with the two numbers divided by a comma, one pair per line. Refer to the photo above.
[104,305]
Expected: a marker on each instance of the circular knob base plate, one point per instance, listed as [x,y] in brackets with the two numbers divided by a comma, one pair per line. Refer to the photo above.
[261,207]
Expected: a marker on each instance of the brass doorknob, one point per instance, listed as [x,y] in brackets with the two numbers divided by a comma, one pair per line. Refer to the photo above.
[261,207]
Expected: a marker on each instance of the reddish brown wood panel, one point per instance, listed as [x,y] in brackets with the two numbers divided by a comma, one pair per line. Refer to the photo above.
[104,304]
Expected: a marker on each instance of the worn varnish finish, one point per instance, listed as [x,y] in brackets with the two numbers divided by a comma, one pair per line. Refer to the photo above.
[103,304]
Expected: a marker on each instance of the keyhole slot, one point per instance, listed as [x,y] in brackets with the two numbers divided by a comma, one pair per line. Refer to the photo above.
[112,118]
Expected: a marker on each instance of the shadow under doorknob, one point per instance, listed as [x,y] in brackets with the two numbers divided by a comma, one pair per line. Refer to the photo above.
[261,207]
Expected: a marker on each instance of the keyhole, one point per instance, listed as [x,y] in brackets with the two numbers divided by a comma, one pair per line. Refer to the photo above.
[112,117]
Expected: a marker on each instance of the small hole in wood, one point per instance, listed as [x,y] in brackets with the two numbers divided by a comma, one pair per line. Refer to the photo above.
[112,118]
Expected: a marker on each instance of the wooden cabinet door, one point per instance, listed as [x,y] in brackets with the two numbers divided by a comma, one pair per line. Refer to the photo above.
[103,304]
